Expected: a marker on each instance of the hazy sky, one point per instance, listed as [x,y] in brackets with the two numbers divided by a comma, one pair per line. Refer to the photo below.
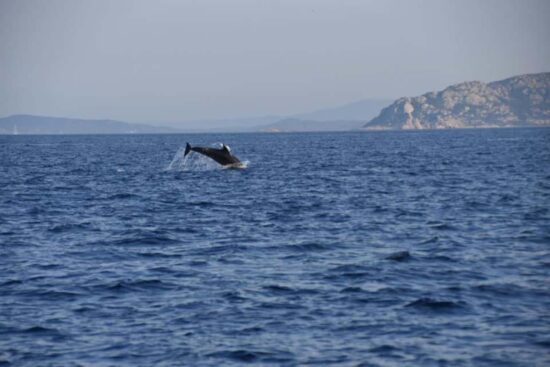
[155,61]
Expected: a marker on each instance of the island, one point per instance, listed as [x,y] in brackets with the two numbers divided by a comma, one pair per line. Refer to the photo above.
[522,100]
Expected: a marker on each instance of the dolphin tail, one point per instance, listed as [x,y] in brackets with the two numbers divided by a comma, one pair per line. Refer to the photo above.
[187,149]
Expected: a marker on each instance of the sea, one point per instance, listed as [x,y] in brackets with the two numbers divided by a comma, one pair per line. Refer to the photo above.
[404,248]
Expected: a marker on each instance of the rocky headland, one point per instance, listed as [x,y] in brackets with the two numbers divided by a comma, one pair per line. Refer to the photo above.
[518,101]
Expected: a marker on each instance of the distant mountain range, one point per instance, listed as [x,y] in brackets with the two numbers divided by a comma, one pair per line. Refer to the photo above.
[346,117]
[28,124]
[356,111]
[342,118]
[518,101]
[294,124]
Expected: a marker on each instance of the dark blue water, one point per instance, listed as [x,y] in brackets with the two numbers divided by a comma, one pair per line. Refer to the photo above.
[372,249]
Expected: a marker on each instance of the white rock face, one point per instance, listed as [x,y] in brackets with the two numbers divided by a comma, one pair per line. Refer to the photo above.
[408,108]
[411,123]
[519,101]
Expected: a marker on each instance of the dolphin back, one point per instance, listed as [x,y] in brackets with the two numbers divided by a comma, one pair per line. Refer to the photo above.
[223,156]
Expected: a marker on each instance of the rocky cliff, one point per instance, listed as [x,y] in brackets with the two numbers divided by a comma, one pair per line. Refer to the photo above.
[518,101]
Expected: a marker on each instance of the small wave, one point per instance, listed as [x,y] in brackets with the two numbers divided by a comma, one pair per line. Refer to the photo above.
[348,268]
[278,288]
[534,238]
[195,263]
[79,170]
[474,204]
[202,204]
[7,283]
[143,240]
[442,226]
[138,285]
[543,343]
[385,348]
[53,295]
[36,210]
[67,227]
[434,304]
[192,305]
[39,330]
[308,247]
[34,180]
[249,356]
[49,266]
[281,306]
[219,249]
[142,237]
[352,290]
[434,239]
[252,330]
[159,255]
[233,296]
[230,260]
[536,214]
[122,196]
[348,275]
[508,290]
[67,188]
[83,309]
[162,269]
[442,258]
[237,355]
[507,198]
[399,256]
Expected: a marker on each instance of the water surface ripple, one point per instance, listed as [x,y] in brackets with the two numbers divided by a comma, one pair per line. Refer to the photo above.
[372,249]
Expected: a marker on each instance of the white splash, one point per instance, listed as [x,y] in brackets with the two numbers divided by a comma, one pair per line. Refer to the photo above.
[240,165]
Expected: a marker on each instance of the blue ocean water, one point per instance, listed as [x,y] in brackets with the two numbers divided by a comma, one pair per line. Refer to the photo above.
[425,248]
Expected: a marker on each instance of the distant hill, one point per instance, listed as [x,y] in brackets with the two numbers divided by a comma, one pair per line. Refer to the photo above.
[518,101]
[346,117]
[362,110]
[29,124]
[244,124]
[298,125]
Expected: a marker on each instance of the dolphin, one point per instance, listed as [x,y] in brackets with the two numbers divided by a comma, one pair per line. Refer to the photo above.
[223,155]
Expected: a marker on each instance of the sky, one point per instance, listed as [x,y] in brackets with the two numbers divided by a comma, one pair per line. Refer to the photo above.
[168,61]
